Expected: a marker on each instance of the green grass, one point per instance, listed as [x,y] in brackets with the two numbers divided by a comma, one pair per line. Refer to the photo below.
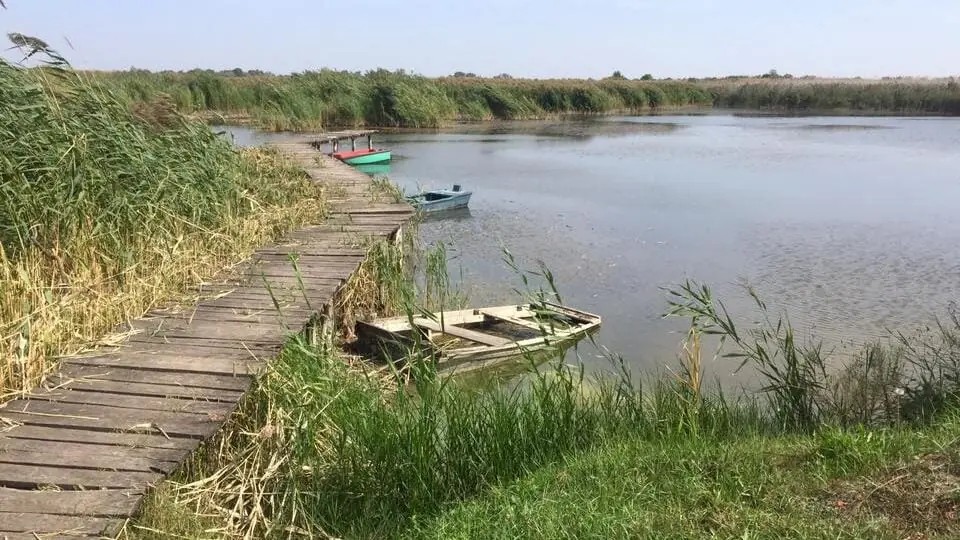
[830,485]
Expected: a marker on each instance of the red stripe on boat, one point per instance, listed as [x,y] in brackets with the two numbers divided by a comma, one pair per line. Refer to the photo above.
[357,153]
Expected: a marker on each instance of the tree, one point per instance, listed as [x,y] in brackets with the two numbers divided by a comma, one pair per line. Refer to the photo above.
[503,76]
[617,75]
[646,77]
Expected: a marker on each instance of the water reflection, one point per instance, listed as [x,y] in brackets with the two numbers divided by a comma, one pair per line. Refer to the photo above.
[374,169]
[454,214]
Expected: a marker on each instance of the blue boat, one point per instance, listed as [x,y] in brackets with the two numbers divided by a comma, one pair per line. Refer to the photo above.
[437,200]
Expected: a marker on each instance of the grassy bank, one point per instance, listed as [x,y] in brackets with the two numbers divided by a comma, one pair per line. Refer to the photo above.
[109,207]
[330,98]
[328,446]
[382,98]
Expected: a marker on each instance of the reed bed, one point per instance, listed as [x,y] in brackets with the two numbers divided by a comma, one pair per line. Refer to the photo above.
[311,100]
[393,99]
[884,96]
[108,208]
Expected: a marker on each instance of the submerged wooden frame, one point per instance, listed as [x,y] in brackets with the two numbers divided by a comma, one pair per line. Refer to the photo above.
[392,339]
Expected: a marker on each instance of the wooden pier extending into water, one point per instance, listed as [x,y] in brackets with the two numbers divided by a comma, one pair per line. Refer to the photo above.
[79,453]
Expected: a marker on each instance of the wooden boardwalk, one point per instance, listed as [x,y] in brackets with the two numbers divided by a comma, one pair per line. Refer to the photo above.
[78,454]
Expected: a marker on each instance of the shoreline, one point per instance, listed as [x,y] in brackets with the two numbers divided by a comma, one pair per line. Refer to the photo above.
[245,120]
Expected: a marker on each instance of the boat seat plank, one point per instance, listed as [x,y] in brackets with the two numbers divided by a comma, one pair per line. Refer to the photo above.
[512,320]
[470,335]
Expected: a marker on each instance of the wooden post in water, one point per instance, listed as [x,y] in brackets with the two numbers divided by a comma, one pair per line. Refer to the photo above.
[353,144]
[370,142]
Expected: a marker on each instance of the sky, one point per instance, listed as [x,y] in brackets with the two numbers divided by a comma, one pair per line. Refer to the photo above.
[525,38]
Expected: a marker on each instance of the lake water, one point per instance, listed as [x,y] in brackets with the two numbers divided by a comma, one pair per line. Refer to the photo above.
[848,224]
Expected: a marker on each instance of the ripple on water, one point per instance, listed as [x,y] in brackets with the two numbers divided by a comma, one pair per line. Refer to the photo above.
[855,282]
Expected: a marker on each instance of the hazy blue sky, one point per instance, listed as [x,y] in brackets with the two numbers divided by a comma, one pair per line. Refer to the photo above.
[538,38]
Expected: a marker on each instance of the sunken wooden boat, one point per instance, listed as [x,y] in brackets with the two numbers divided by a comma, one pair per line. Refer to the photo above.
[473,338]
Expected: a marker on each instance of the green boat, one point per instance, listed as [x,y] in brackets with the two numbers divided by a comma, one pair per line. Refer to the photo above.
[364,156]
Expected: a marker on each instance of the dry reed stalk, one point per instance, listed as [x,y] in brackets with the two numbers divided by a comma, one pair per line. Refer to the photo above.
[46,312]
[691,363]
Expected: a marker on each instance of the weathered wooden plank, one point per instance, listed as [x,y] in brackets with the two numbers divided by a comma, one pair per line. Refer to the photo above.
[200,350]
[395,211]
[51,536]
[100,418]
[70,449]
[42,526]
[512,320]
[99,503]
[311,270]
[18,476]
[302,258]
[60,386]
[80,435]
[125,401]
[215,366]
[262,301]
[464,333]
[90,459]
[282,293]
[292,319]
[219,330]
[174,344]
[188,381]
[314,250]
[292,283]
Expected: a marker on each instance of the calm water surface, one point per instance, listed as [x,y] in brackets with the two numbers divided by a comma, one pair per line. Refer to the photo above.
[848,224]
